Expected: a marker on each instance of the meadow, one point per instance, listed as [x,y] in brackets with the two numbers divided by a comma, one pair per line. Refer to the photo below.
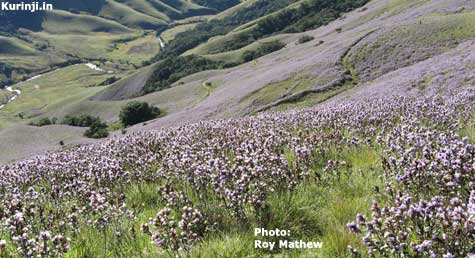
[52,91]
[401,168]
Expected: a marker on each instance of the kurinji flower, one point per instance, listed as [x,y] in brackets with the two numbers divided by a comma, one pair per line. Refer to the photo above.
[433,173]
[353,227]
[428,170]
[3,244]
[45,235]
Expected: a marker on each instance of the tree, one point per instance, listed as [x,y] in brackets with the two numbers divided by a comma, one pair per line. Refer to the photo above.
[81,121]
[137,112]
[97,130]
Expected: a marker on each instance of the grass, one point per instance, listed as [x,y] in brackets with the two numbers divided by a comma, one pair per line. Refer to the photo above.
[398,6]
[469,130]
[274,91]
[91,37]
[14,46]
[394,7]
[235,56]
[5,96]
[313,99]
[425,83]
[170,34]
[169,100]
[116,48]
[135,51]
[22,55]
[216,43]
[147,8]
[130,17]
[81,37]
[51,92]
[62,22]
[118,33]
[404,45]
[313,211]
[456,27]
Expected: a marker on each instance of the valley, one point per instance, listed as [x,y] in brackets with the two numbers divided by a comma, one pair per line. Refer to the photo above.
[347,124]
[302,74]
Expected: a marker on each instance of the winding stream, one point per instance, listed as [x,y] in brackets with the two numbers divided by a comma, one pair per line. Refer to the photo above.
[15,95]
[161,42]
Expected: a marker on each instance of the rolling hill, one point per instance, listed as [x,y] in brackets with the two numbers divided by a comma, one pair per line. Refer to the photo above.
[366,47]
[105,25]
[346,126]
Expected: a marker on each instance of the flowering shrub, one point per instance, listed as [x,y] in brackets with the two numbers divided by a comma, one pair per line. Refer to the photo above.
[176,233]
[430,175]
[238,163]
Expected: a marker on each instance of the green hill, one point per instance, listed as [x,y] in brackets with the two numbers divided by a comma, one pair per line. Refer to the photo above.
[62,22]
[13,46]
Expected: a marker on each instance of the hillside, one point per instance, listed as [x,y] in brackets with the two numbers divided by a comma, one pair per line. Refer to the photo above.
[105,25]
[346,126]
[310,171]
[346,56]
[334,61]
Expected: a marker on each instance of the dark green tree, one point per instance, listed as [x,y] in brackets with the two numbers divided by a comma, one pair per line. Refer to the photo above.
[97,130]
[137,112]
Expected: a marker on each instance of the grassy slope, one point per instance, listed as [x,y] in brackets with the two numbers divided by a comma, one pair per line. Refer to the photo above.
[400,46]
[170,34]
[63,36]
[135,51]
[147,8]
[169,100]
[52,91]
[14,46]
[31,140]
[62,22]
[235,56]
[234,9]
[130,17]
[5,96]
[83,36]
[128,87]
[23,55]
[218,41]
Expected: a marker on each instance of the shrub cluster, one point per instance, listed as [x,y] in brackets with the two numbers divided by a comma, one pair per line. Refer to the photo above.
[137,112]
[305,38]
[97,130]
[80,121]
[44,121]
